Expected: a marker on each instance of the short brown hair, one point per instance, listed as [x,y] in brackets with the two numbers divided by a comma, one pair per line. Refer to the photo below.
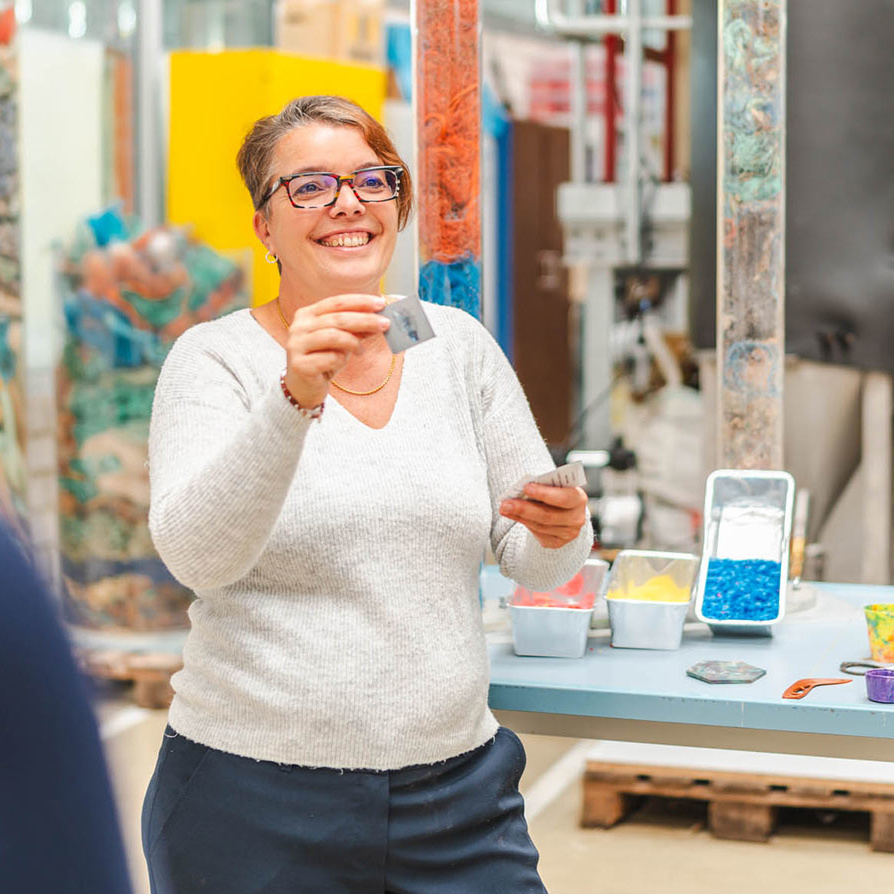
[256,153]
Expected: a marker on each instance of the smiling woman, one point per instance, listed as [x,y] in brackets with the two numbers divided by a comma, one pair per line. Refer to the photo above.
[295,233]
[335,241]
[337,634]
[255,158]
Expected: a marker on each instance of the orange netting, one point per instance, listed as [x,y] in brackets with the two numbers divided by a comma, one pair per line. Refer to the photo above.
[447,91]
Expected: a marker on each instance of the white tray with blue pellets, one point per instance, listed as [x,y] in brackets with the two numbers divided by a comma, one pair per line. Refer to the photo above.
[744,569]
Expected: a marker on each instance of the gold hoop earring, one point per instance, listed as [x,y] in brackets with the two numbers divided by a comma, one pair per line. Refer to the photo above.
[268,256]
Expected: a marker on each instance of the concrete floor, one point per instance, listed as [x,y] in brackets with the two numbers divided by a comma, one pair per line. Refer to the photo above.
[663,846]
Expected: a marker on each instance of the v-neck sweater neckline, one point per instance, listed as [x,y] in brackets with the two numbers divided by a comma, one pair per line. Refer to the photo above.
[332,400]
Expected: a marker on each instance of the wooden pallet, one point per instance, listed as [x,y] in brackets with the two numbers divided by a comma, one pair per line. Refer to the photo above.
[741,806]
[150,672]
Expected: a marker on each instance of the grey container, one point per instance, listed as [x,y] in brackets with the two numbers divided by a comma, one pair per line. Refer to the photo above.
[637,624]
[546,632]
[556,632]
[648,623]
[748,515]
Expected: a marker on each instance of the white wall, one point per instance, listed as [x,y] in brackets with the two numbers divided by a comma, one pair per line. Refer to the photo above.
[61,182]
[401,278]
[61,167]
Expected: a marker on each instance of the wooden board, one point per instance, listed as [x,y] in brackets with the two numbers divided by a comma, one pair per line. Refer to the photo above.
[543,345]
[701,760]
[741,806]
[150,672]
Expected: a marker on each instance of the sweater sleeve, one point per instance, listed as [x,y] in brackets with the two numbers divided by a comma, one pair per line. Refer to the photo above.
[513,449]
[219,468]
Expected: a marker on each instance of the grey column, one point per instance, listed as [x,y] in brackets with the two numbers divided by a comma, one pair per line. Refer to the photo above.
[751,233]
[150,156]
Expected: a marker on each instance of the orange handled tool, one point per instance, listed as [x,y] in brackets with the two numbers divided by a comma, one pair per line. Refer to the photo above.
[800,688]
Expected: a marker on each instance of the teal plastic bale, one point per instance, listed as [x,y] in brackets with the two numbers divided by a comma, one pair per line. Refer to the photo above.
[13,479]
[125,303]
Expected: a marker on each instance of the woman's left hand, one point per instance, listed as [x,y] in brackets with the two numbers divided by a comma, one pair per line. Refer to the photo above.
[554,515]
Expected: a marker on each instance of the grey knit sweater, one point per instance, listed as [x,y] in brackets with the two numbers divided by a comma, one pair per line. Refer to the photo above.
[337,621]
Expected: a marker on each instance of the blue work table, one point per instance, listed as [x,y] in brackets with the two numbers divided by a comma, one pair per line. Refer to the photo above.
[646,696]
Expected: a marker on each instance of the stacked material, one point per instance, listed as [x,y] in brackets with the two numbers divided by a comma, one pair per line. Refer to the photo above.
[127,298]
[9,178]
[12,429]
[343,30]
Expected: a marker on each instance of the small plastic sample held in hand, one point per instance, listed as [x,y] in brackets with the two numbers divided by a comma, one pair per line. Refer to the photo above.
[569,475]
[409,324]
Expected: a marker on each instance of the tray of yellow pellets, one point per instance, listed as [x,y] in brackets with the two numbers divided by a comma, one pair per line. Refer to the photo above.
[648,595]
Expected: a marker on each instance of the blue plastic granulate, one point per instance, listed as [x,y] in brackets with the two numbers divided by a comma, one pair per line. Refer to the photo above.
[741,590]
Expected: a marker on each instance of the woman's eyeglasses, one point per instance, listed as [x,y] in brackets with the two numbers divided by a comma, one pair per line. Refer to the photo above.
[321,188]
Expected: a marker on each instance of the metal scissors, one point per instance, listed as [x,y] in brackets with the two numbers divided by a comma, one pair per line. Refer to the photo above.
[846,667]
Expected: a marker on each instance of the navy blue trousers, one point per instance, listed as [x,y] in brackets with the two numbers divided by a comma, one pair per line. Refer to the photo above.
[224,824]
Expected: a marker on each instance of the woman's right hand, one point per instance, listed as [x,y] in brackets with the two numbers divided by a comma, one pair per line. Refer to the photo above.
[322,338]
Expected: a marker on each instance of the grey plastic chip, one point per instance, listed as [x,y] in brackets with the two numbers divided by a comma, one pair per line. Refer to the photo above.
[725,672]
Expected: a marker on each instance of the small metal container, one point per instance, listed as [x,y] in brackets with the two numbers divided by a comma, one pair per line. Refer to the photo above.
[549,632]
[646,625]
[555,628]
[654,621]
[748,516]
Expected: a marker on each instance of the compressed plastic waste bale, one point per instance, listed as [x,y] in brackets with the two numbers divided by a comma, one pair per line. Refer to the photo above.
[125,302]
[13,479]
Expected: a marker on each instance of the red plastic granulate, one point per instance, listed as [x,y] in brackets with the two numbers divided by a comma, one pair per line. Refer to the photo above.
[569,595]
[447,78]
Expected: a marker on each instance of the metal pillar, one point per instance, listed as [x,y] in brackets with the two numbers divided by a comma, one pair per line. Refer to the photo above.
[633,52]
[878,404]
[150,157]
[579,101]
[447,99]
[596,369]
[751,233]
[670,95]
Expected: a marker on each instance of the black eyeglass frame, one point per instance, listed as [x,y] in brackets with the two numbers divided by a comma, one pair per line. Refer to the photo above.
[340,180]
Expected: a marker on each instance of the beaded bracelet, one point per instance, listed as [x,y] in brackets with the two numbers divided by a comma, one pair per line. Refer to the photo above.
[314,414]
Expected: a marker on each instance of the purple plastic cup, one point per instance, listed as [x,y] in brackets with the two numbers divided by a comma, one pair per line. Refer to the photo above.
[880,684]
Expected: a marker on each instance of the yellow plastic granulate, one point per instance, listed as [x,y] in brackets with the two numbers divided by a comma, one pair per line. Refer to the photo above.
[662,588]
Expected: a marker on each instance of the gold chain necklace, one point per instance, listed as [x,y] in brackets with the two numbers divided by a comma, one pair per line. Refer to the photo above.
[285,323]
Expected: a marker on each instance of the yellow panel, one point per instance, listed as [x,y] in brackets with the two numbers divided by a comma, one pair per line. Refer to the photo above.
[301,75]
[215,98]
